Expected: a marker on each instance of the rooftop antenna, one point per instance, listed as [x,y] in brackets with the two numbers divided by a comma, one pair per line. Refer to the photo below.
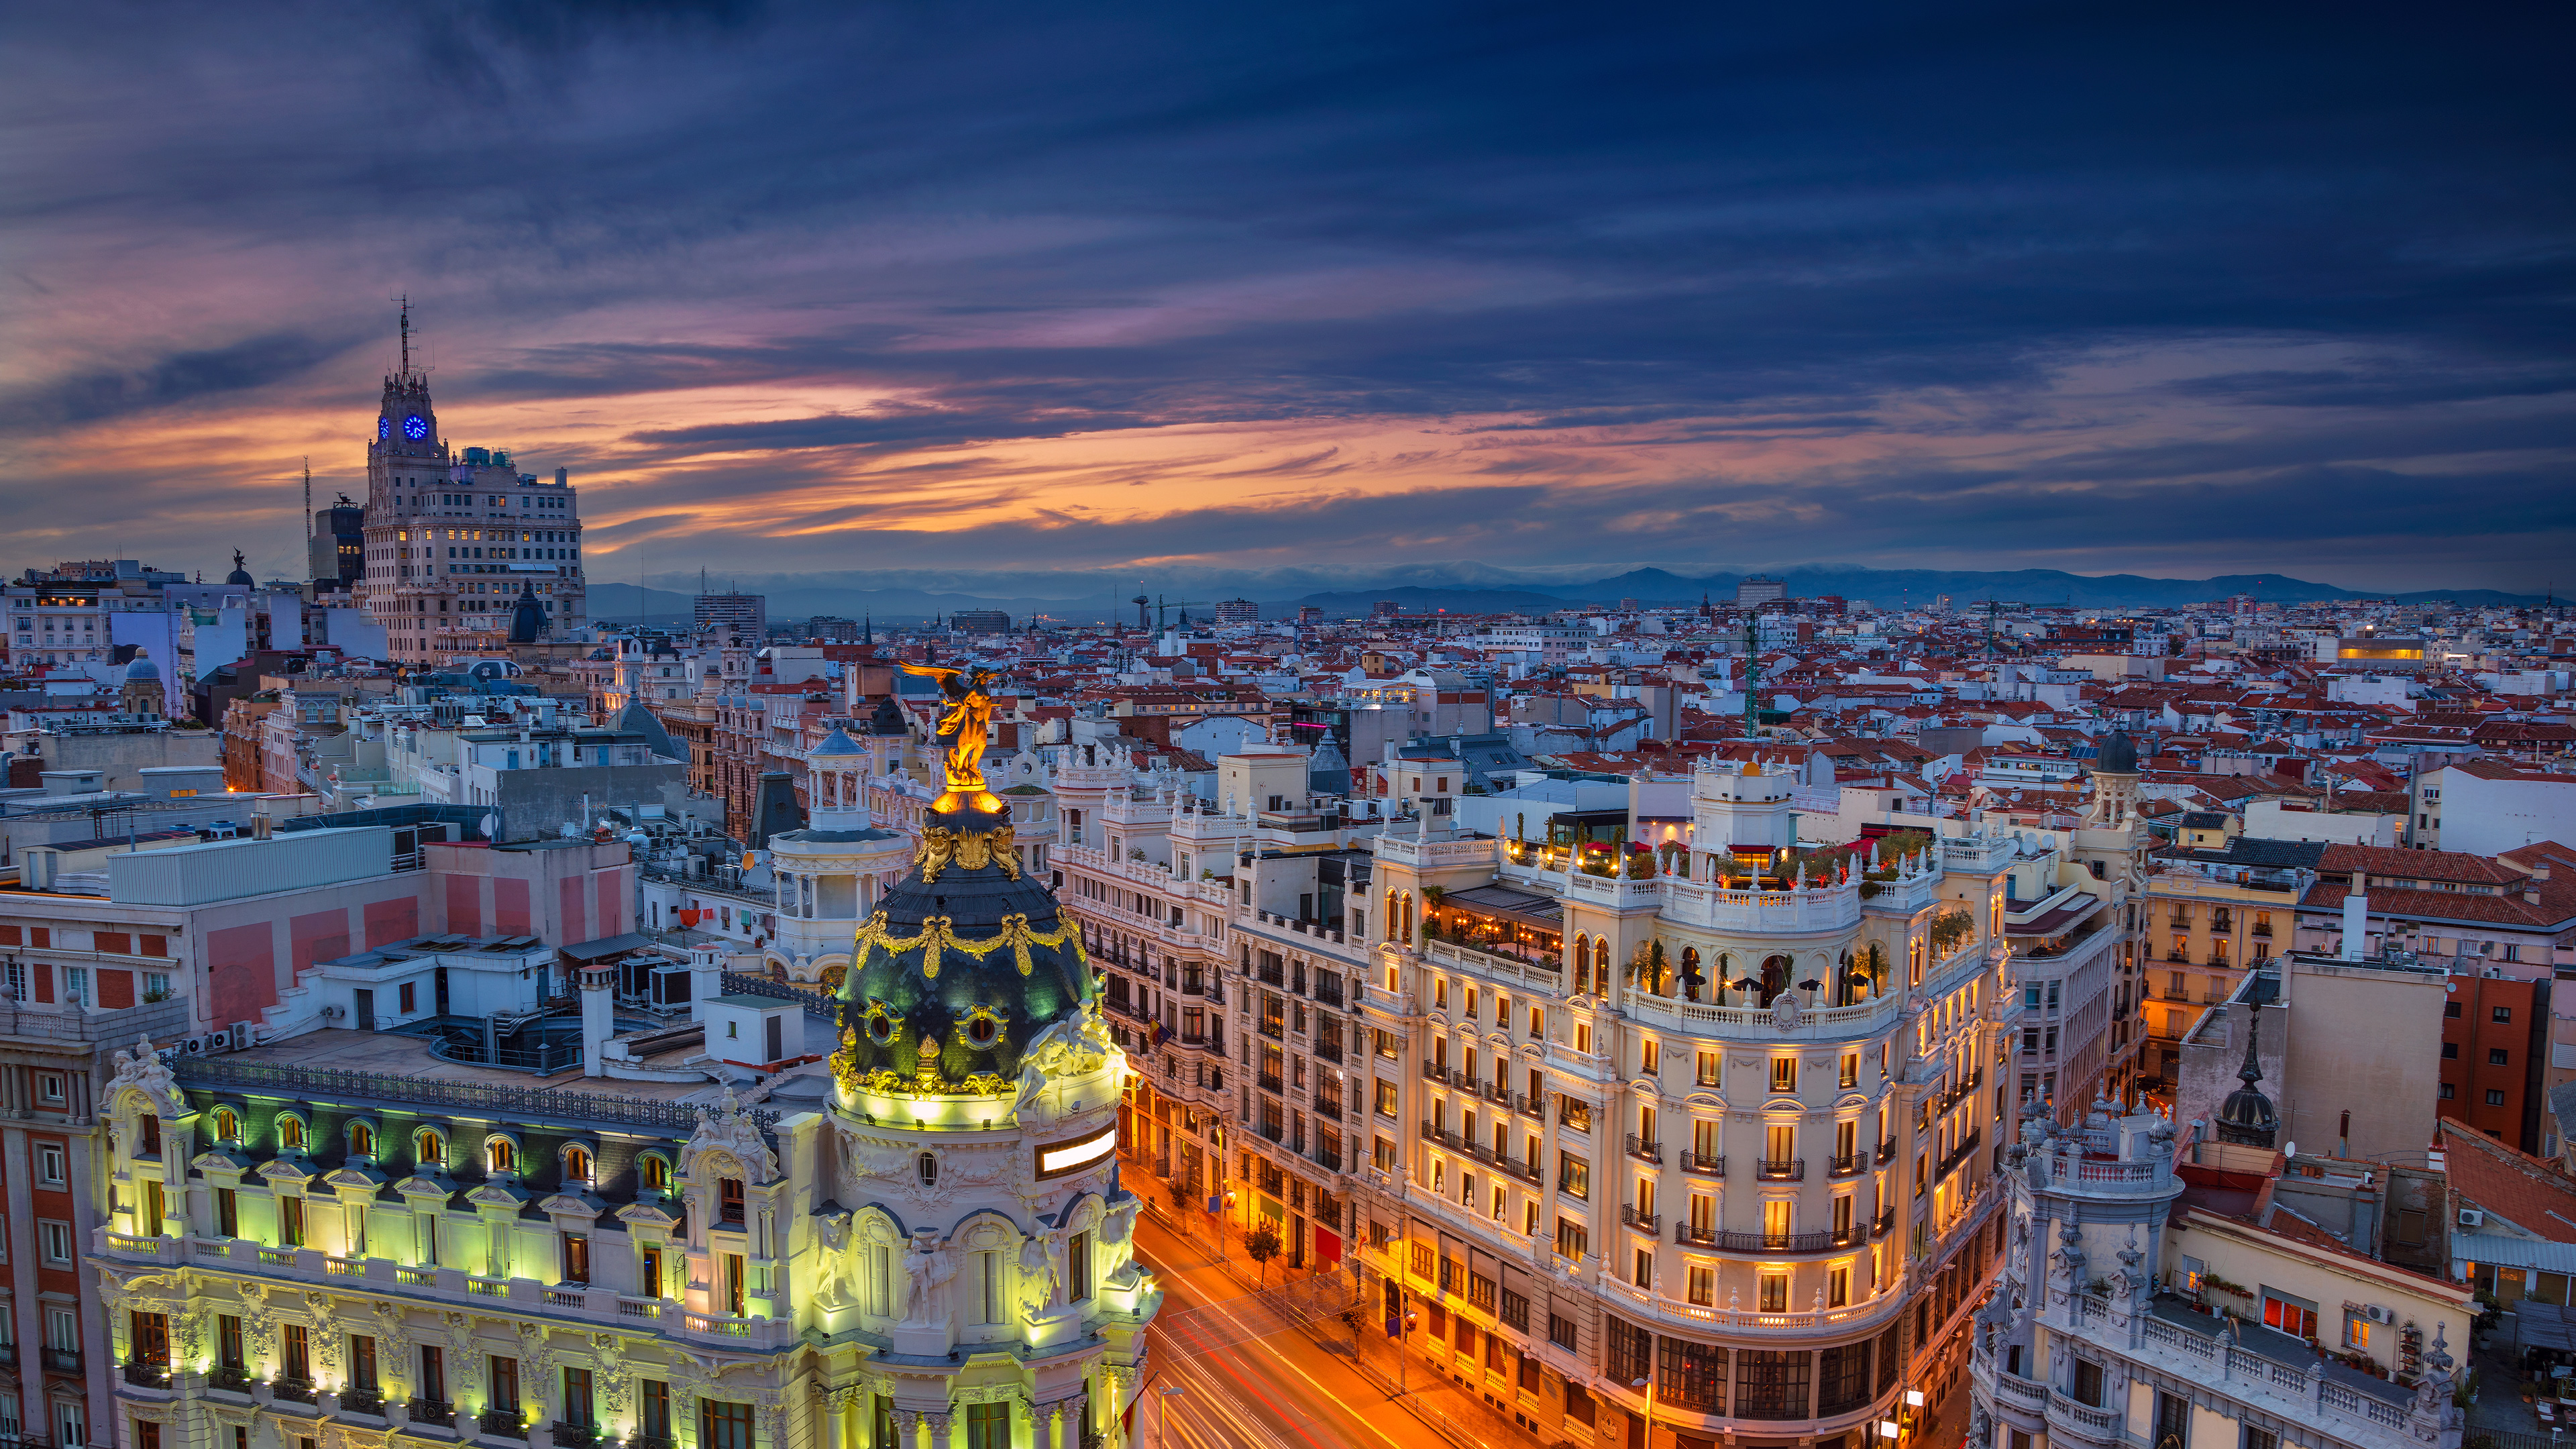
[406,334]
[308,495]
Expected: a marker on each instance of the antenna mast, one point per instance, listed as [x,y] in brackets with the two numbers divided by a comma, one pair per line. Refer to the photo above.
[406,334]
[308,496]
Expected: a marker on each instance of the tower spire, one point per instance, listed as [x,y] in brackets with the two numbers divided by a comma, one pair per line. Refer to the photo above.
[406,334]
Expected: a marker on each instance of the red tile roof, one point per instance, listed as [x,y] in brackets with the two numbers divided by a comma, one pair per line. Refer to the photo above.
[2513,1185]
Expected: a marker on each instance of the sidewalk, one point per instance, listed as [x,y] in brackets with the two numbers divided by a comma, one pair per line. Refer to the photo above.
[1457,1413]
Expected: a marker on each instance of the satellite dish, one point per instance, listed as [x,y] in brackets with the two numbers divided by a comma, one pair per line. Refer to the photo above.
[491,825]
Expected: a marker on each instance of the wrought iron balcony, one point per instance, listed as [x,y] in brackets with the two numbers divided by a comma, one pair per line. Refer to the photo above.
[1846,1166]
[1792,1170]
[1642,1222]
[299,1391]
[148,1375]
[1644,1150]
[1704,1166]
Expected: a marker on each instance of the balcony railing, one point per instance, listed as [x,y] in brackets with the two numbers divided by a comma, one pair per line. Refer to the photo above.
[501,1424]
[299,1391]
[1528,1106]
[1846,1166]
[63,1360]
[1705,1166]
[432,1411]
[1887,1150]
[148,1375]
[1441,1135]
[1825,1242]
[232,1378]
[1642,1222]
[1525,1171]
[362,1401]
[575,1436]
[1644,1150]
[1792,1170]
[1270,1081]
[1329,1050]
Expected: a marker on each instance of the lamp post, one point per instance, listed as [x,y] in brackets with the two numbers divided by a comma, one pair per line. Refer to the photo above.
[1163,1411]
[1648,1384]
[1404,1319]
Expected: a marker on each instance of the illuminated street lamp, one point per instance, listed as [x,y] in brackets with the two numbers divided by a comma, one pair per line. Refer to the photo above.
[1649,1387]
[1163,1410]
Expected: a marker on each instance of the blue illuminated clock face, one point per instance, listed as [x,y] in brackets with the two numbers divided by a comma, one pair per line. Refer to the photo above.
[415,427]
[384,427]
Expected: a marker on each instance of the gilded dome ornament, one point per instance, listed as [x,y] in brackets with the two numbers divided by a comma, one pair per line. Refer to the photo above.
[966,963]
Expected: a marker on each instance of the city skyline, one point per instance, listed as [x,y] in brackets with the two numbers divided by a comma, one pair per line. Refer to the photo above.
[792,292]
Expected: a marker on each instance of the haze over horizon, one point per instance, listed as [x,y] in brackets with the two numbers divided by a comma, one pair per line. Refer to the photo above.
[985,289]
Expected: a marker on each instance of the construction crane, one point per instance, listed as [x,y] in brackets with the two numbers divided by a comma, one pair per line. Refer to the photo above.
[1162,604]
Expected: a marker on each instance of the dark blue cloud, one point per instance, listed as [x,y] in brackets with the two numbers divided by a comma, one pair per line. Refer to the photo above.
[1703,224]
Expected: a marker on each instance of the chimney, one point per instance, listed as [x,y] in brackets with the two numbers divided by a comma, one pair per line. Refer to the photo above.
[2356,925]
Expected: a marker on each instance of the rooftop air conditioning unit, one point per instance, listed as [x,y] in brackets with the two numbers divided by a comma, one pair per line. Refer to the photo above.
[2472,1218]
[2378,1314]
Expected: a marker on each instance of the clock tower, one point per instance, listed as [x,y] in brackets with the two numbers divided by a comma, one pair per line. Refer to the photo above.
[406,423]
[456,538]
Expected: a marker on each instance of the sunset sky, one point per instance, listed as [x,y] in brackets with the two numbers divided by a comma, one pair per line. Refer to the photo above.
[951,291]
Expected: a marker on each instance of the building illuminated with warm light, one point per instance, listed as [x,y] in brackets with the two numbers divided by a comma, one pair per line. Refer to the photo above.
[1717,1118]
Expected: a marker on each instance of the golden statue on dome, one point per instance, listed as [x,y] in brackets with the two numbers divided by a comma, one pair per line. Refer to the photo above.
[966,724]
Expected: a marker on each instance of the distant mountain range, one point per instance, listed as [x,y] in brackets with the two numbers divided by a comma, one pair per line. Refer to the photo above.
[1477,589]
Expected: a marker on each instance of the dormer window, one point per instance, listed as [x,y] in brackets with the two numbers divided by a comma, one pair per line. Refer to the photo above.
[429,1150]
[576,1164]
[290,1133]
[227,1125]
[362,1140]
[656,1173]
[501,1156]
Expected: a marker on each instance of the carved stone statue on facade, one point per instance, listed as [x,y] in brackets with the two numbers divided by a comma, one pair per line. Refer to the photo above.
[832,1240]
[1118,1236]
[1038,1276]
[144,1069]
[731,1129]
[928,1270]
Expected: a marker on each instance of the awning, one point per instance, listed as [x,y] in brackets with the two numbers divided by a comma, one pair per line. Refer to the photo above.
[1504,903]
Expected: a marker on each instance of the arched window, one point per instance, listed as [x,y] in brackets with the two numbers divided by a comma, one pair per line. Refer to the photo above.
[290,1132]
[362,1140]
[576,1164]
[501,1156]
[227,1125]
[1582,965]
[1775,977]
[655,1172]
[429,1150]
[1691,977]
